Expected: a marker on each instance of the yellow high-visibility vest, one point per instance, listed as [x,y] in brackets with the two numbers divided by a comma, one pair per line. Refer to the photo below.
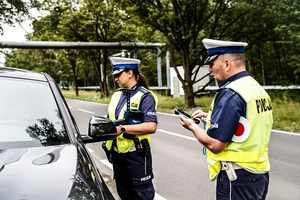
[124,144]
[251,154]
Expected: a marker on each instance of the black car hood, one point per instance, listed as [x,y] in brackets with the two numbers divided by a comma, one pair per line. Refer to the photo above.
[54,172]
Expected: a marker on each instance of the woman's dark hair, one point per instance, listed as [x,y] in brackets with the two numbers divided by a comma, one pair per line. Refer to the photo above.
[142,80]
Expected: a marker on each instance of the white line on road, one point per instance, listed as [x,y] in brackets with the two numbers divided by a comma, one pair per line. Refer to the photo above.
[178,135]
[88,102]
[106,163]
[158,197]
[194,139]
[273,130]
[286,132]
[90,150]
[85,111]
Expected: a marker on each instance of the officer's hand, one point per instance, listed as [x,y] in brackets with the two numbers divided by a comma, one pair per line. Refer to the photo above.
[185,122]
[199,114]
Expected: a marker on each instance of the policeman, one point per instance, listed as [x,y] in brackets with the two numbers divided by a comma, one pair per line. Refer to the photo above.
[131,154]
[238,128]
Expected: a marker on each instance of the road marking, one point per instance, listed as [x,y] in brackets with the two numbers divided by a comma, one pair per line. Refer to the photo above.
[158,197]
[194,139]
[273,130]
[168,114]
[106,163]
[286,132]
[88,102]
[178,135]
[85,111]
[90,150]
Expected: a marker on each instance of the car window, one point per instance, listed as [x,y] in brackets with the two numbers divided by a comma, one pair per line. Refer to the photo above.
[29,114]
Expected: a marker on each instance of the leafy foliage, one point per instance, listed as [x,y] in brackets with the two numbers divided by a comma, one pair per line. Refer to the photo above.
[186,23]
[12,11]
[270,27]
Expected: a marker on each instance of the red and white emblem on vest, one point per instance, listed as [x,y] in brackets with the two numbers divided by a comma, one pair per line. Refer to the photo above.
[242,131]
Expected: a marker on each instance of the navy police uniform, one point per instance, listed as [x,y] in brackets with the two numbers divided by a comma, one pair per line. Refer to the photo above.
[227,109]
[132,170]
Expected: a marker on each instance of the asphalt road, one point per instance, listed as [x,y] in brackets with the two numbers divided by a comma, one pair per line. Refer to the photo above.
[180,168]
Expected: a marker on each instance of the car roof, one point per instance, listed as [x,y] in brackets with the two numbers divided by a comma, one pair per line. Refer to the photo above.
[21,73]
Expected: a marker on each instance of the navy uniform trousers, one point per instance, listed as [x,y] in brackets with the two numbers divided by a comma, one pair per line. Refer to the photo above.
[133,175]
[248,186]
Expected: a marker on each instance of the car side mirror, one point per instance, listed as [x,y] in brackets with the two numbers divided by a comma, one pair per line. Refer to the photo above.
[100,129]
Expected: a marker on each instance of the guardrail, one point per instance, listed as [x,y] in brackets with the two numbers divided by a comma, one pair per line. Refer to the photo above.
[266,87]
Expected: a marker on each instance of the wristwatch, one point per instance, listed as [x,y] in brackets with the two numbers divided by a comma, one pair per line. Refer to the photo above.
[123,130]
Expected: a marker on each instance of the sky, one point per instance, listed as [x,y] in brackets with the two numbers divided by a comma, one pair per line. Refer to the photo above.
[16,34]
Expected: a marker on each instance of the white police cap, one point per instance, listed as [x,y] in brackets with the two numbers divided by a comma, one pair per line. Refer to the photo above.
[120,64]
[218,47]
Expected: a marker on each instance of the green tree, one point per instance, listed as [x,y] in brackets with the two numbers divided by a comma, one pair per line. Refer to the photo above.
[276,60]
[102,21]
[13,11]
[90,21]
[186,23]
[49,28]
[42,60]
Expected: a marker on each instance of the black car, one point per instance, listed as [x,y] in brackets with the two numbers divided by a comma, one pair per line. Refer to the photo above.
[42,154]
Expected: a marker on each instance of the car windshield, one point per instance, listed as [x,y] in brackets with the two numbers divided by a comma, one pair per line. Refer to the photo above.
[29,115]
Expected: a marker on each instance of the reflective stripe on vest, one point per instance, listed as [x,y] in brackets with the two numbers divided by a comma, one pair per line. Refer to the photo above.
[124,144]
[252,154]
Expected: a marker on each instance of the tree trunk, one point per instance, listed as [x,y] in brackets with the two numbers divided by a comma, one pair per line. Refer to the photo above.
[187,85]
[73,65]
[189,96]
[97,66]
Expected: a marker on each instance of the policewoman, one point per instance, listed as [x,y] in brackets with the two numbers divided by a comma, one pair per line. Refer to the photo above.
[131,153]
[238,125]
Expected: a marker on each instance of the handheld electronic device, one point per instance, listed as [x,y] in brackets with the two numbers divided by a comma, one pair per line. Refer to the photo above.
[181,112]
